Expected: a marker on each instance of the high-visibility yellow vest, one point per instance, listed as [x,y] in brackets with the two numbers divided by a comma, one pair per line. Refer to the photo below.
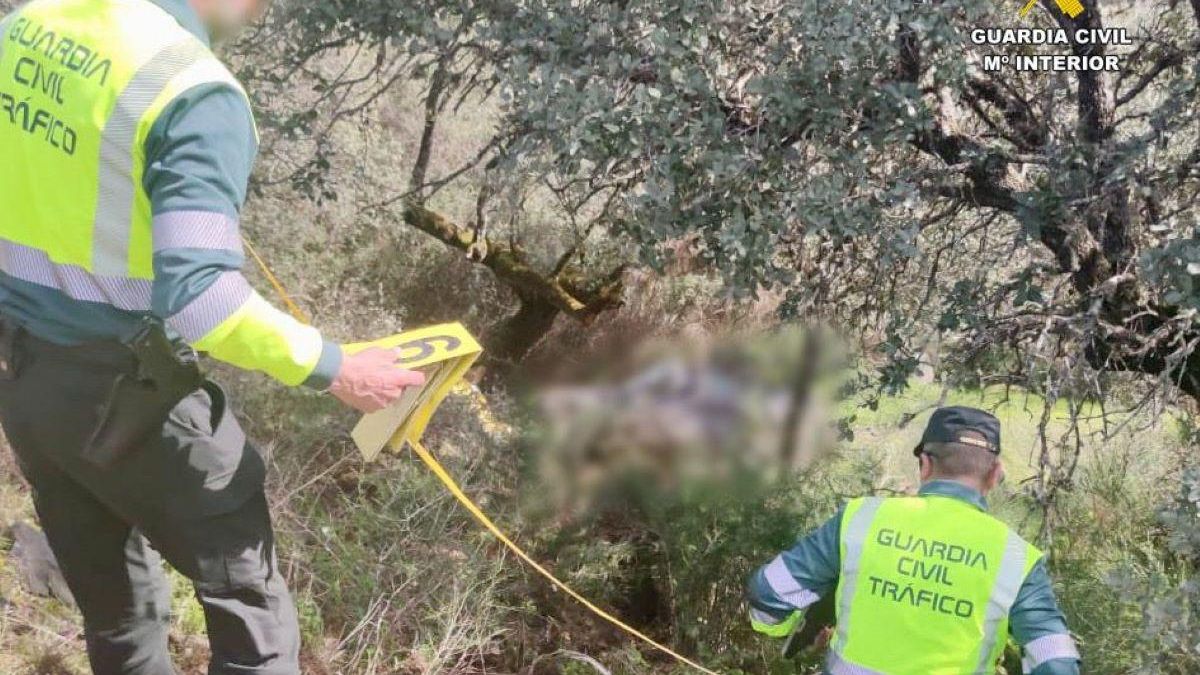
[925,588]
[81,85]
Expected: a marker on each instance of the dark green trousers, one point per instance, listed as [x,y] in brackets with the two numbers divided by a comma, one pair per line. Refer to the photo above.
[192,494]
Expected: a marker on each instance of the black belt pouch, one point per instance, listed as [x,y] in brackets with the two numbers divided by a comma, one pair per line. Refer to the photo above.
[139,401]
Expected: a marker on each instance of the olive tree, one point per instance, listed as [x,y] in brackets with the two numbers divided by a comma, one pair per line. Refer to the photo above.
[1038,225]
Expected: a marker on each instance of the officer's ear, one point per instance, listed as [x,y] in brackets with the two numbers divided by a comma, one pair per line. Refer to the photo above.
[995,476]
[926,466]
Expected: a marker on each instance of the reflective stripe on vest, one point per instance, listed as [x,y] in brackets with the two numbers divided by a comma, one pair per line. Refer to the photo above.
[855,537]
[82,83]
[35,266]
[1004,593]
[926,587]
[115,196]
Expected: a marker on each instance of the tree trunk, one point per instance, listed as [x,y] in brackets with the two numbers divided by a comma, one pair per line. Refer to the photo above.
[437,85]
[542,297]
[802,386]
[509,341]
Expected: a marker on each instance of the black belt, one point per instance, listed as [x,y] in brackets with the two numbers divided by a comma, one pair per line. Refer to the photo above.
[107,353]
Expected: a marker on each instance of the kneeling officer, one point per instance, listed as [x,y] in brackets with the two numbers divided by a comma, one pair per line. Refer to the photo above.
[924,585]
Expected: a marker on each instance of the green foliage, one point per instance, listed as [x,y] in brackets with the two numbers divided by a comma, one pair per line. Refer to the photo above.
[1175,266]
[188,615]
[859,160]
[1165,588]
[721,148]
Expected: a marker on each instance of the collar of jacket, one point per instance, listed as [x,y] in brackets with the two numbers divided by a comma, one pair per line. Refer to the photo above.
[186,16]
[954,490]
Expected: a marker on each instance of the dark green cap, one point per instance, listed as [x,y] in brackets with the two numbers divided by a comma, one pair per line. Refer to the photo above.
[960,424]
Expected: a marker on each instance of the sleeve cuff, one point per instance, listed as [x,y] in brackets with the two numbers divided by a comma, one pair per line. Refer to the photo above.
[327,367]
[766,624]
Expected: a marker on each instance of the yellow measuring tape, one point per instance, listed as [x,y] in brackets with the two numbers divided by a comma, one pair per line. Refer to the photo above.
[283,294]
[444,476]
[451,485]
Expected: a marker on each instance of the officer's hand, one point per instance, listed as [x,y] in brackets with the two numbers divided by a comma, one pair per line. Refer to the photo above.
[370,380]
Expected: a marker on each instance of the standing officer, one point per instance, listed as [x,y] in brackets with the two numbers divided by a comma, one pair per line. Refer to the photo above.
[924,585]
[126,147]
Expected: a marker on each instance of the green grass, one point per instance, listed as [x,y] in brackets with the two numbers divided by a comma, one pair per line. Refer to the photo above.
[884,433]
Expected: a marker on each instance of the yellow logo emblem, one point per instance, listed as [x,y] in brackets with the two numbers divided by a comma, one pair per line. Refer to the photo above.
[1072,8]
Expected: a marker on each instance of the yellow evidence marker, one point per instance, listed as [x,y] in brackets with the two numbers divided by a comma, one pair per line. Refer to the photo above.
[444,353]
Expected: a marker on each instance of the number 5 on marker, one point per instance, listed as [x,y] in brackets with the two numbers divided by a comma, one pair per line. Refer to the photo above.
[444,353]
